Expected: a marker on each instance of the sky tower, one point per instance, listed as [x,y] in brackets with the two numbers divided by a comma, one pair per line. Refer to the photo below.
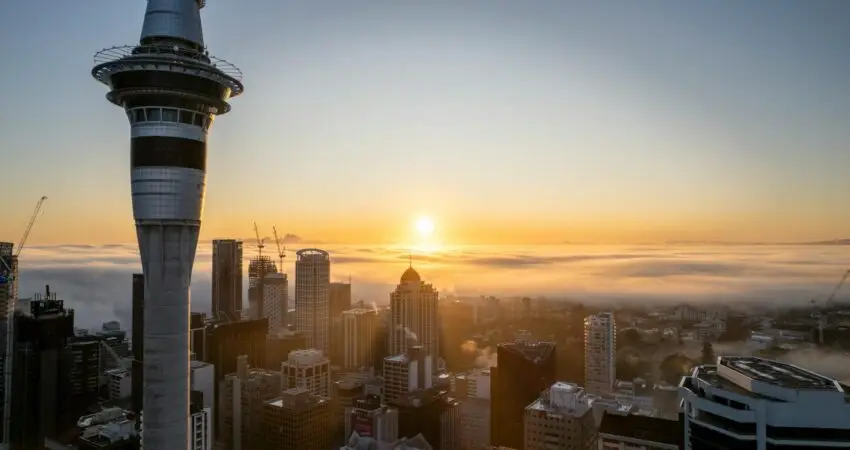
[171,90]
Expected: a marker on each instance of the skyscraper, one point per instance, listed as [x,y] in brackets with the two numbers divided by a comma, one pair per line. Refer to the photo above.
[339,300]
[600,346]
[312,277]
[8,297]
[276,302]
[40,379]
[171,90]
[524,370]
[227,279]
[258,268]
[413,316]
[359,338]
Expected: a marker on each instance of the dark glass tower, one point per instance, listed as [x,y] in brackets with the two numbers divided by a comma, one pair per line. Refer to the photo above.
[171,90]
[227,279]
[524,370]
[40,378]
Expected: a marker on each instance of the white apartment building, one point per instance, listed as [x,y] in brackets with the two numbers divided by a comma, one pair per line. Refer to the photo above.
[561,419]
[407,373]
[308,369]
[276,301]
[312,304]
[760,404]
[600,348]
[200,429]
[359,329]
[414,317]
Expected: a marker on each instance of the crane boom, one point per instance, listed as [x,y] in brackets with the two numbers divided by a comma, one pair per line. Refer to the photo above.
[30,224]
[837,288]
[281,250]
[259,241]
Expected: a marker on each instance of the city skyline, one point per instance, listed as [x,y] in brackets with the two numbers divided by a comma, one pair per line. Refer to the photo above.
[528,124]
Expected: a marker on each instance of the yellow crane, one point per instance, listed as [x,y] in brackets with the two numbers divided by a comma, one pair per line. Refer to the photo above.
[260,242]
[281,249]
[10,273]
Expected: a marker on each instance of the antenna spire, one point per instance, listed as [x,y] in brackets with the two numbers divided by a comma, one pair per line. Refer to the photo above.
[410,260]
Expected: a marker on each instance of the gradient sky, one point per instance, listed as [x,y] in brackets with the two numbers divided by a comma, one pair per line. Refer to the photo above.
[506,121]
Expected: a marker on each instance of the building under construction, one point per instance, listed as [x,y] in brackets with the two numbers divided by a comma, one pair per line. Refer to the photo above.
[258,268]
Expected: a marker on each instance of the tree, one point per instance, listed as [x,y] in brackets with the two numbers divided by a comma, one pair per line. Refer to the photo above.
[674,367]
[707,353]
[628,337]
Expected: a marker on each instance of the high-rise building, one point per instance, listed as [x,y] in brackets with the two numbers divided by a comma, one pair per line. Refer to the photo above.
[226,341]
[171,90]
[754,403]
[473,390]
[561,419]
[309,369]
[413,316]
[406,373]
[600,350]
[40,382]
[359,338]
[524,370]
[620,430]
[202,379]
[258,269]
[298,419]
[276,302]
[8,298]
[312,278]
[279,347]
[83,376]
[227,279]
[138,344]
[200,423]
[368,417]
[339,301]
[243,396]
[432,413]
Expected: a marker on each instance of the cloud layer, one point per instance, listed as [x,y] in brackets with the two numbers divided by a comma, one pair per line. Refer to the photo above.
[96,280]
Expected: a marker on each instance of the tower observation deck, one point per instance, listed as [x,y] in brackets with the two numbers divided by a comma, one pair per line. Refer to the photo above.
[171,90]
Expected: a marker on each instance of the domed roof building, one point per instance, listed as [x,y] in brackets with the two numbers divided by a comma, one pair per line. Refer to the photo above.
[413,312]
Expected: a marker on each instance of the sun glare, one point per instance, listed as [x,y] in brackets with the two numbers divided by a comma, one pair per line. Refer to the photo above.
[424,226]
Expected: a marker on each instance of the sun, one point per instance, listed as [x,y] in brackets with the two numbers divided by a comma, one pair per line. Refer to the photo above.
[424,226]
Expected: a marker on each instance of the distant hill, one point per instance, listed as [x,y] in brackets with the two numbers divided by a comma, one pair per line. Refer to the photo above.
[833,242]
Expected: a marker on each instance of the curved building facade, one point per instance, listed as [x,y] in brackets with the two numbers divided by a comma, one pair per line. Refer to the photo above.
[171,90]
[312,304]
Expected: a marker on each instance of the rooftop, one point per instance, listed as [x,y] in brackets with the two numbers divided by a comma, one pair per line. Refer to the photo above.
[777,373]
[533,351]
[642,427]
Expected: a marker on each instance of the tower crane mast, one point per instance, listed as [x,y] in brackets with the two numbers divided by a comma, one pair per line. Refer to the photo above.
[260,242]
[281,249]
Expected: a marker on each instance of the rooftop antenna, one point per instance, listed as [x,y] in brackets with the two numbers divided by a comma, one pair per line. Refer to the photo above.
[410,259]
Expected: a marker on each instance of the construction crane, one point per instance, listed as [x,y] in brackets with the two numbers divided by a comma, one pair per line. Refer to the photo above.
[123,363]
[281,249]
[259,241]
[827,303]
[23,241]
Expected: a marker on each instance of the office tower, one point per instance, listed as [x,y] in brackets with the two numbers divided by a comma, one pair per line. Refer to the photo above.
[368,417]
[561,419]
[241,409]
[279,347]
[40,372]
[84,373]
[312,277]
[413,316]
[226,341]
[750,402]
[339,301]
[297,419]
[359,338]
[524,370]
[137,342]
[433,414]
[8,298]
[473,390]
[258,268]
[276,302]
[600,349]
[407,373]
[200,422]
[119,384]
[308,369]
[227,279]
[113,336]
[171,90]
[623,429]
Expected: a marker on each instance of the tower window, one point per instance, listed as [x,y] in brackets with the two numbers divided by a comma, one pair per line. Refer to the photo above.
[154,114]
[169,115]
[186,117]
[199,120]
[140,114]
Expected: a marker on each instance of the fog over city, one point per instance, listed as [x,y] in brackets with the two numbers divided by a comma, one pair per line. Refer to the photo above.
[95,280]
